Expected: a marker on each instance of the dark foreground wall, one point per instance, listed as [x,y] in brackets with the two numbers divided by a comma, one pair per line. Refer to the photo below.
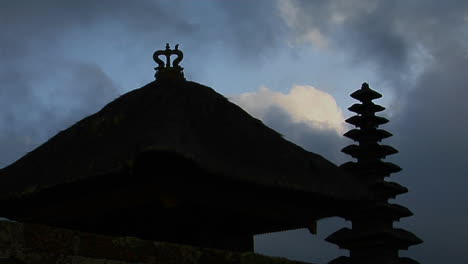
[31,244]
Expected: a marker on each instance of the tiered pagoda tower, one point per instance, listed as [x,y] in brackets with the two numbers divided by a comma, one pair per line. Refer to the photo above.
[372,239]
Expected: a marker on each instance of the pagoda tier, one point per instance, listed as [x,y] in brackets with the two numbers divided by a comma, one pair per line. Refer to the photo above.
[385,168]
[372,239]
[365,94]
[389,189]
[381,211]
[373,135]
[348,260]
[369,151]
[370,121]
[375,239]
[363,109]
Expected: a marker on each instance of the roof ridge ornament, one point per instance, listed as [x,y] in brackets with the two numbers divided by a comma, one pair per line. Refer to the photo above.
[165,71]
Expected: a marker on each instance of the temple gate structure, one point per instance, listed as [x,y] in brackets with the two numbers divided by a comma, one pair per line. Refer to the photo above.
[176,163]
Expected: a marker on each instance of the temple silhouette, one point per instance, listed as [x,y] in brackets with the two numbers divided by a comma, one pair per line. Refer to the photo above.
[175,173]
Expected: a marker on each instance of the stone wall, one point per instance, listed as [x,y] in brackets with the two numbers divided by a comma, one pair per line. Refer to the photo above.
[34,244]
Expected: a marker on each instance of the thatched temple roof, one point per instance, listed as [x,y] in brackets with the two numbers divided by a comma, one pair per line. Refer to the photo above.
[183,117]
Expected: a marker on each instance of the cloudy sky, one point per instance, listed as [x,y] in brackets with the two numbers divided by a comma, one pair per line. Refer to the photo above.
[291,63]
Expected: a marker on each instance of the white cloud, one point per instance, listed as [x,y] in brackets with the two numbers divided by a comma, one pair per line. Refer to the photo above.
[338,18]
[304,104]
[314,37]
[289,12]
[291,15]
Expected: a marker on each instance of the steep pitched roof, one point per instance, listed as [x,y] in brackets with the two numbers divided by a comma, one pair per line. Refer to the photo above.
[183,117]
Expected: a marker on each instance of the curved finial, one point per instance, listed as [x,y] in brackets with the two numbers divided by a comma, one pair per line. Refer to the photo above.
[180,56]
[164,69]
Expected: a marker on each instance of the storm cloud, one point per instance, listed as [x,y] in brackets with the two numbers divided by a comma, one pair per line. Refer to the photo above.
[418,50]
[63,60]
